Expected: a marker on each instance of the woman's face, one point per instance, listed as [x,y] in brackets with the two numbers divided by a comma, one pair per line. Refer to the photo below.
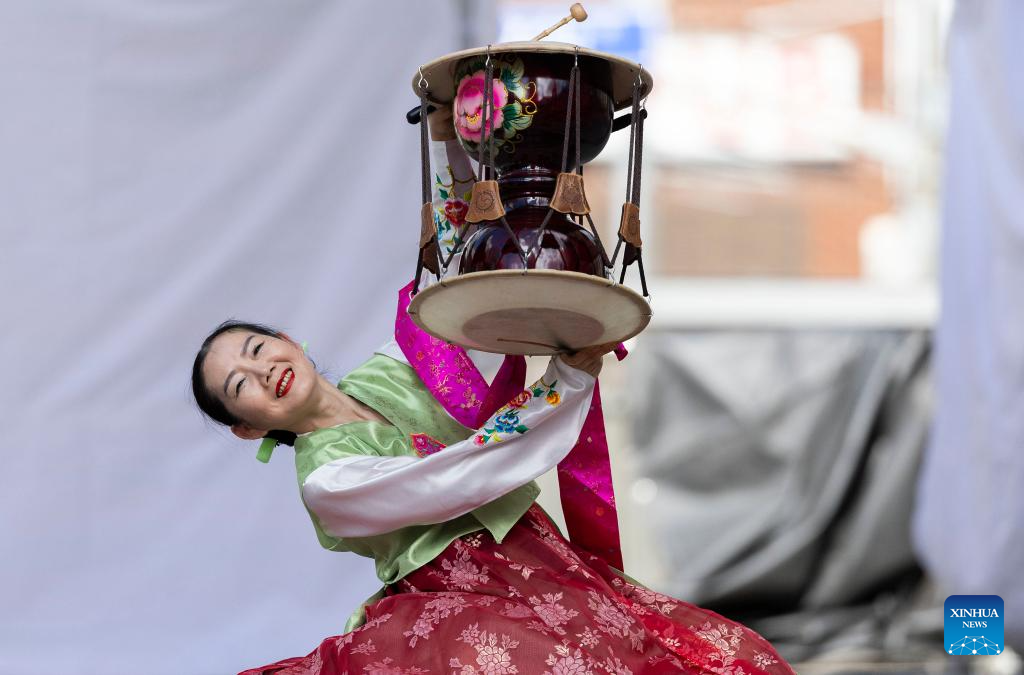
[267,382]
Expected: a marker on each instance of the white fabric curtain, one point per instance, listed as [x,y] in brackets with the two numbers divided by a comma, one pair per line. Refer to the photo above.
[970,511]
[164,166]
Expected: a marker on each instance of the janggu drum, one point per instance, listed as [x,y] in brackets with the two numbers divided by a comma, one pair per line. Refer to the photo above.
[533,276]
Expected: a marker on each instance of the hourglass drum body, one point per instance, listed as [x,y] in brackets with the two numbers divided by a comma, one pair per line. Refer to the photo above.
[532,277]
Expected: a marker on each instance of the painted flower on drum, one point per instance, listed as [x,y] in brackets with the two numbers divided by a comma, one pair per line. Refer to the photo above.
[514,104]
[469,106]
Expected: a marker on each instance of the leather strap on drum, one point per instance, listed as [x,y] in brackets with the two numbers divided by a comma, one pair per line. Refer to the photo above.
[429,253]
[584,476]
[570,197]
[629,223]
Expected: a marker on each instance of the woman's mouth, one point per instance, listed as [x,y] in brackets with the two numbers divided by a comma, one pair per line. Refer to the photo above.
[285,383]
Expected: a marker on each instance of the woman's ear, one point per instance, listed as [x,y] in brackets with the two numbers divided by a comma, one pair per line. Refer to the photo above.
[247,433]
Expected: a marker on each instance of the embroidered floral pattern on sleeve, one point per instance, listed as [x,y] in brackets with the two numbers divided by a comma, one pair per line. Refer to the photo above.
[534,604]
[451,196]
[508,419]
[424,445]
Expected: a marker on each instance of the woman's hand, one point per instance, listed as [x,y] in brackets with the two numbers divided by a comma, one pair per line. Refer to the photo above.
[588,359]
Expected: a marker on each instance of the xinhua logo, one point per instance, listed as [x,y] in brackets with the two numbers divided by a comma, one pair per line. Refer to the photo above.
[974,625]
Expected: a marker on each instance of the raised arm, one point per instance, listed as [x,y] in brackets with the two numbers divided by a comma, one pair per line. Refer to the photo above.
[364,496]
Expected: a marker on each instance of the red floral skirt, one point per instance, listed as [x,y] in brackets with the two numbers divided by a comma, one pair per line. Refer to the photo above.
[532,605]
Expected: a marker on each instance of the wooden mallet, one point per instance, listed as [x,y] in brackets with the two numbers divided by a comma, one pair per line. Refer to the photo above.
[576,13]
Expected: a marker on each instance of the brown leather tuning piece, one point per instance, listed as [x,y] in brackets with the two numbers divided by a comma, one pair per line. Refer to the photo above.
[428,230]
[429,256]
[569,195]
[485,202]
[629,224]
[428,239]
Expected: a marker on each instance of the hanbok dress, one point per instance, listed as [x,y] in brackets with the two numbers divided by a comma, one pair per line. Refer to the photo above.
[477,578]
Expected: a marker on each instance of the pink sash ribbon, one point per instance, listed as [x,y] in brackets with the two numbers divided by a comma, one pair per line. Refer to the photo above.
[584,476]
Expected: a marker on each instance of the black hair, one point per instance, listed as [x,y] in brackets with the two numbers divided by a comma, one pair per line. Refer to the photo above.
[208,402]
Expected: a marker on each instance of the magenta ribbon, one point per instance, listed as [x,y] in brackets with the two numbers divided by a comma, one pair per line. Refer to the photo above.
[584,476]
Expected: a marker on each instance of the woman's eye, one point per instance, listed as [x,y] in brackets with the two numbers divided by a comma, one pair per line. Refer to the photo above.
[238,387]
[257,350]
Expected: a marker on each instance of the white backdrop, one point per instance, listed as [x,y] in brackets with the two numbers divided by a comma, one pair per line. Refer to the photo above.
[163,166]
[970,508]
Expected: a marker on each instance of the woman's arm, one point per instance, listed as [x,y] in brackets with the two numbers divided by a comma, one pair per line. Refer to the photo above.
[364,496]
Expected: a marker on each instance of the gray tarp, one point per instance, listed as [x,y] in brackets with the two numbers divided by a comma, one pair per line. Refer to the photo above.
[785,463]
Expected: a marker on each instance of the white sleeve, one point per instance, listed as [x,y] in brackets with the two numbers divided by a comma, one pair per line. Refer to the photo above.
[364,496]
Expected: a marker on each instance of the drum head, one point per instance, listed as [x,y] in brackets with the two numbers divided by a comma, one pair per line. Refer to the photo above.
[439,73]
[533,313]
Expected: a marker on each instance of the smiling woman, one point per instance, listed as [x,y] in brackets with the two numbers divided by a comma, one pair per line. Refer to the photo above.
[268,387]
[475,573]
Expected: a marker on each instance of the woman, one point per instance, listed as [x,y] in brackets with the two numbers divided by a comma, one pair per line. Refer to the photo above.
[477,578]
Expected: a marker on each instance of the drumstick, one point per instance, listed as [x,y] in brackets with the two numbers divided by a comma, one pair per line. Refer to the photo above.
[575,12]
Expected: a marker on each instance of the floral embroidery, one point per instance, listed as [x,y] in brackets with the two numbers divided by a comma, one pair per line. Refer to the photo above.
[521,399]
[588,638]
[492,657]
[726,642]
[450,209]
[665,658]
[539,391]
[471,401]
[522,568]
[552,612]
[613,665]
[385,668]
[568,662]
[555,622]
[365,648]
[555,541]
[513,104]
[379,620]
[425,446]
[446,605]
[611,619]
[506,420]
[463,574]
[455,210]
[514,610]
[542,627]
[645,596]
